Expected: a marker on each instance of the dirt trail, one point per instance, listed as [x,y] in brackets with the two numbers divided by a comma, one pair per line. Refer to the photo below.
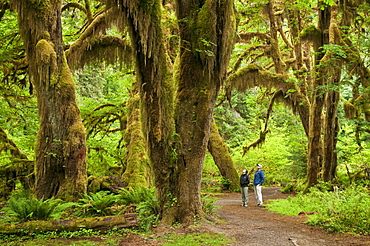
[256,226]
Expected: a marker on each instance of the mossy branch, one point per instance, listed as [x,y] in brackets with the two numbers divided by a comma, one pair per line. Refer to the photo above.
[75,6]
[256,143]
[7,144]
[92,46]
[246,37]
[254,75]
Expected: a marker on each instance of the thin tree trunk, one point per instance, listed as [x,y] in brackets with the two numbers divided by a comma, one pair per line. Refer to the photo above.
[61,143]
[330,136]
[222,158]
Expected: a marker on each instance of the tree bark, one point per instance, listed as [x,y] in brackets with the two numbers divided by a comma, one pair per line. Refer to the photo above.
[61,143]
[331,128]
[222,158]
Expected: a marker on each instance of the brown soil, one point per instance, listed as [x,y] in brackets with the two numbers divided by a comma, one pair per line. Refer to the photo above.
[256,226]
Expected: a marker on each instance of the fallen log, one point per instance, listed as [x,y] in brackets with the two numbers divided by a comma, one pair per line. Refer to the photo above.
[123,221]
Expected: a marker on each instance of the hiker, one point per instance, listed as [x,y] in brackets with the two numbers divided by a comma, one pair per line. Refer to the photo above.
[244,182]
[259,177]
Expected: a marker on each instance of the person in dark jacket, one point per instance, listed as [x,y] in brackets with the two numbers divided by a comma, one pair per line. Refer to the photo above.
[244,182]
[259,178]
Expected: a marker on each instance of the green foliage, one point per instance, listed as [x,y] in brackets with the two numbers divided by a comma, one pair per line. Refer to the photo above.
[208,204]
[111,236]
[342,211]
[146,204]
[136,195]
[196,239]
[225,183]
[26,207]
[148,214]
[102,97]
[99,203]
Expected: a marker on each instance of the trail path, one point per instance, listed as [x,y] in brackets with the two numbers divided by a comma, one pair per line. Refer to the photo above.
[256,226]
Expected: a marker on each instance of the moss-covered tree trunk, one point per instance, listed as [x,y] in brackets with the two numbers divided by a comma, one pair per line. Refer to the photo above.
[315,145]
[222,158]
[61,143]
[206,41]
[138,171]
[155,88]
[331,127]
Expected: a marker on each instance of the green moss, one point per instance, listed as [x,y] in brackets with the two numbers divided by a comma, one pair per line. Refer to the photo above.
[45,50]
[310,33]
[40,5]
[204,31]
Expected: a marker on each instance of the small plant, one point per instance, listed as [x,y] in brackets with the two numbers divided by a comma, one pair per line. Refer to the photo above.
[226,183]
[25,207]
[148,214]
[147,205]
[135,196]
[99,203]
[208,204]
[195,239]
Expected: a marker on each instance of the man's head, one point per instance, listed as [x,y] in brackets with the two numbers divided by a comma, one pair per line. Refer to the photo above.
[245,171]
[259,166]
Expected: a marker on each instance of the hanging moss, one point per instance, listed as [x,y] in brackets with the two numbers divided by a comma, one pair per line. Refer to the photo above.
[349,110]
[312,34]
[254,75]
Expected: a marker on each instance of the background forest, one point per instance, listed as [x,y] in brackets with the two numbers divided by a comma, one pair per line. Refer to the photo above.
[293,95]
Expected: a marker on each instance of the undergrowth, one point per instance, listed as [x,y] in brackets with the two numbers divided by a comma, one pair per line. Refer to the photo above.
[196,239]
[341,211]
[80,237]
[23,206]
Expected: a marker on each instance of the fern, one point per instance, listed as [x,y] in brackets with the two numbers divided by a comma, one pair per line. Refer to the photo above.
[99,203]
[26,207]
[147,205]
[137,195]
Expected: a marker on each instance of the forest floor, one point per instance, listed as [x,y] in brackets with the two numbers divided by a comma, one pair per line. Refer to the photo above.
[256,226]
